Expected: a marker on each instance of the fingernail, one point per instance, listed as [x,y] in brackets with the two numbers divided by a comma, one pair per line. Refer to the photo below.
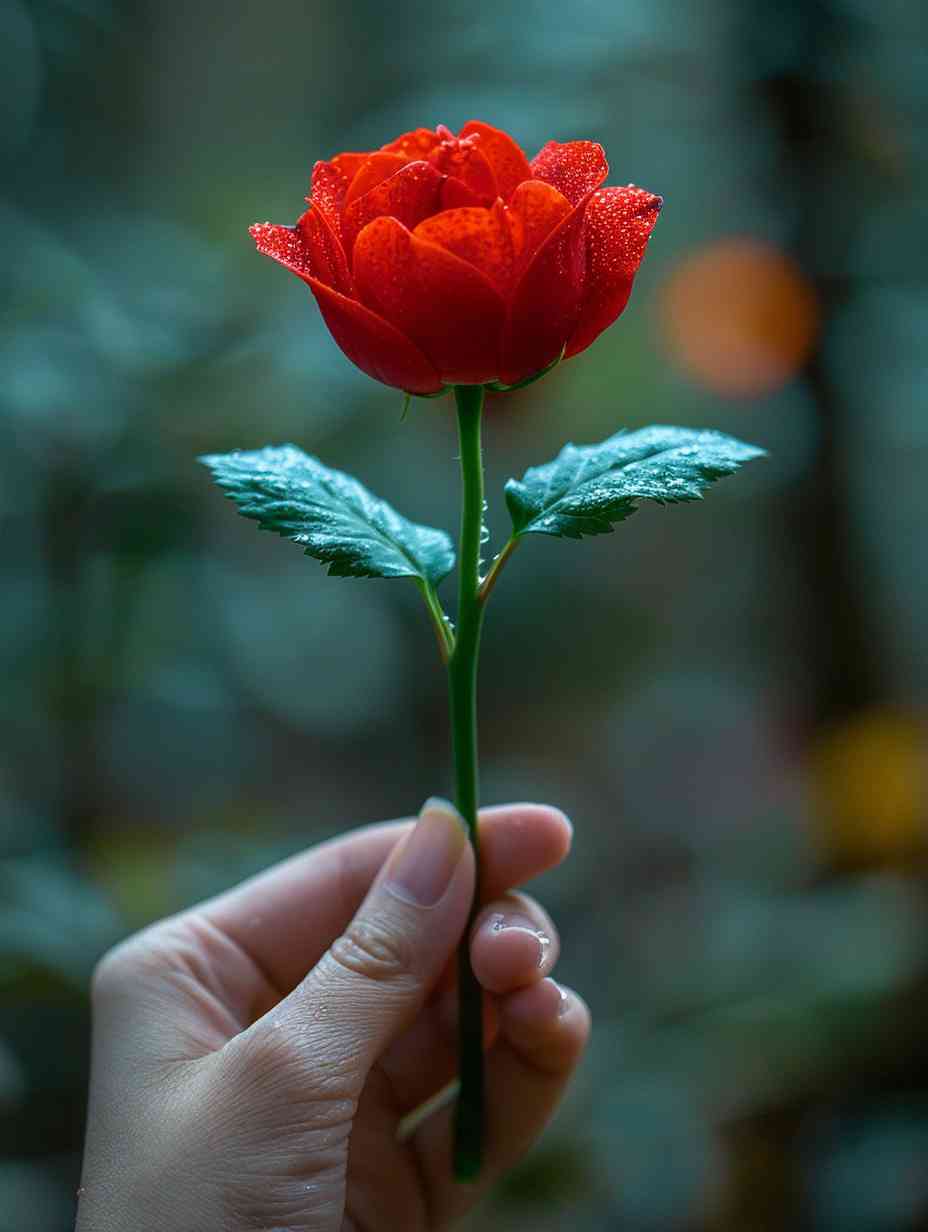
[421,870]
[564,1004]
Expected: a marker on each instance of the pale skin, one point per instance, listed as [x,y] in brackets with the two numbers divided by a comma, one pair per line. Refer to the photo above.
[254,1057]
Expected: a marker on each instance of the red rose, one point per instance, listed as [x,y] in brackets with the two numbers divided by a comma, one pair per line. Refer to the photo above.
[440,260]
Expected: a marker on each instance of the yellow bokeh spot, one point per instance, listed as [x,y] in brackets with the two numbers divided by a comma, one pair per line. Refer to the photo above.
[739,317]
[870,789]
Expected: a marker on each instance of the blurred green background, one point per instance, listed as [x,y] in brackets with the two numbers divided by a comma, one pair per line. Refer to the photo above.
[729,699]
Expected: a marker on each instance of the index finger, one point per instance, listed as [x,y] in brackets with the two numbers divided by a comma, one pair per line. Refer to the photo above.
[285,918]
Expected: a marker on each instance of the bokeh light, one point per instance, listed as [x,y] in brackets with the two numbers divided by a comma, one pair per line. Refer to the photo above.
[739,317]
[870,789]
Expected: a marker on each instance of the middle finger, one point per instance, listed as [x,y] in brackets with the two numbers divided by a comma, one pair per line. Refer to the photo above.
[424,1058]
[513,943]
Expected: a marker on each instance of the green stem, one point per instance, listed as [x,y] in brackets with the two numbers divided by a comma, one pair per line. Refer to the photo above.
[439,620]
[486,586]
[462,686]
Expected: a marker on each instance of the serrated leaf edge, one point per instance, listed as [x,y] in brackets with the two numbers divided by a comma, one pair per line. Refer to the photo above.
[332,566]
[600,524]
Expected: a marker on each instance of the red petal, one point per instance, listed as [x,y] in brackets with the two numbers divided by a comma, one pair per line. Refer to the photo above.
[574,168]
[546,302]
[377,347]
[327,193]
[456,195]
[373,171]
[439,301]
[414,145]
[327,256]
[618,223]
[350,164]
[284,244]
[467,163]
[409,196]
[309,249]
[476,235]
[534,211]
[509,164]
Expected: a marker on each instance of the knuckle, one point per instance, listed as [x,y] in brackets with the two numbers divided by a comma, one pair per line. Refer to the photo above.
[113,971]
[371,949]
[140,958]
[272,1053]
[276,1070]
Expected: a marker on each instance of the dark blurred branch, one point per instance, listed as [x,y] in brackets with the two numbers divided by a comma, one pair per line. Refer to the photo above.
[811,115]
[808,110]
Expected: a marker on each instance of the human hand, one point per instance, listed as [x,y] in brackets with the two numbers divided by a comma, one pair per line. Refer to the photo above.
[254,1057]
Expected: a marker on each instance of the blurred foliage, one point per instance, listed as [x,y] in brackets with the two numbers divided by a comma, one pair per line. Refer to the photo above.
[730,700]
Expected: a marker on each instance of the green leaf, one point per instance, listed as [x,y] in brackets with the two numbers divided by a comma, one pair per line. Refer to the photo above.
[331,514]
[589,487]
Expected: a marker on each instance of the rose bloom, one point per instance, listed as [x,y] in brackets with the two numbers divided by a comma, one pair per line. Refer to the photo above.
[442,259]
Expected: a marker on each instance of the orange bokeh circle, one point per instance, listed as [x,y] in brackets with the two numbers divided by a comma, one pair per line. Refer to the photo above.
[739,317]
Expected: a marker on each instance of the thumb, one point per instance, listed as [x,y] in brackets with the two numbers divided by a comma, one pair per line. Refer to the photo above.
[375,977]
